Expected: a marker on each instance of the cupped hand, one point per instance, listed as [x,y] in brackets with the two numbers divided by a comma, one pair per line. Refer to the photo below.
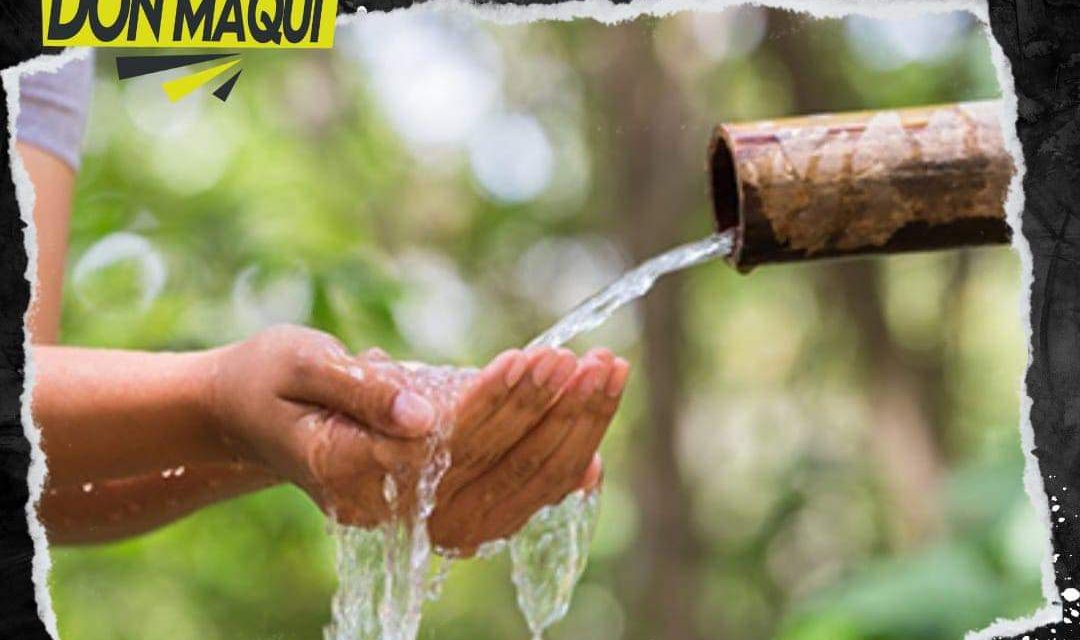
[527,434]
[521,434]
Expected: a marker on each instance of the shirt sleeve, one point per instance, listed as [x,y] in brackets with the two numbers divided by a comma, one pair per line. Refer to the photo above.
[53,107]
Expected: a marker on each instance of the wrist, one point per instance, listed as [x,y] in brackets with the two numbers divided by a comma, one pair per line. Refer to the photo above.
[226,413]
[209,402]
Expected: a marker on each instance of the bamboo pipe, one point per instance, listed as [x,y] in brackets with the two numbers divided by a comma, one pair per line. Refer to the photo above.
[864,182]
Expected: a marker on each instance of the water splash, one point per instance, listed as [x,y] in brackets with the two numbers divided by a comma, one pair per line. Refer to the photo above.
[548,557]
[359,563]
[549,554]
[386,573]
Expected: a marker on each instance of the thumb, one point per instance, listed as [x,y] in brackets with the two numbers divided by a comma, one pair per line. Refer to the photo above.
[371,390]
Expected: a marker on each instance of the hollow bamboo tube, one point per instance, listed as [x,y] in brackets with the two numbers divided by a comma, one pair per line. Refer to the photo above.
[863,182]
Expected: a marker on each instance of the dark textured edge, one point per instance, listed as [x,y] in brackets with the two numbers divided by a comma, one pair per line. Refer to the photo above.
[1040,38]
[20,40]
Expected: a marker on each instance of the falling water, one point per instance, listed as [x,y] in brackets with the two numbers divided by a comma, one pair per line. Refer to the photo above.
[549,553]
[548,557]
[386,573]
[633,284]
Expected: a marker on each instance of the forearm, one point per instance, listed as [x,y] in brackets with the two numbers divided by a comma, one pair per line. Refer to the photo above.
[54,185]
[114,509]
[119,414]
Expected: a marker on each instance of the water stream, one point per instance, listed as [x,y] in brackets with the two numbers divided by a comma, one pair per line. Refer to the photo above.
[386,573]
[633,284]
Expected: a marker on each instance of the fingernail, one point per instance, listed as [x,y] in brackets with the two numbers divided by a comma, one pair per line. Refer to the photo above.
[513,376]
[596,380]
[375,353]
[503,357]
[544,368]
[594,473]
[412,411]
[602,379]
[565,369]
[499,364]
[618,379]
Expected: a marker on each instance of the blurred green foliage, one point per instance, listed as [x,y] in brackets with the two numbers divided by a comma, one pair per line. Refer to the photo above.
[308,198]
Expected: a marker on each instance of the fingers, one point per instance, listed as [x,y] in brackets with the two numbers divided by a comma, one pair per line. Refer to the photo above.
[526,458]
[346,475]
[574,463]
[367,388]
[499,494]
[491,387]
[575,457]
[497,415]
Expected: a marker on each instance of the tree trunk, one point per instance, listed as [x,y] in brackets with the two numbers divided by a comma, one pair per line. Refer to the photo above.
[654,175]
[908,401]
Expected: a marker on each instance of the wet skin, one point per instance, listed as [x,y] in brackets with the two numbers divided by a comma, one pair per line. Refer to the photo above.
[290,404]
[524,434]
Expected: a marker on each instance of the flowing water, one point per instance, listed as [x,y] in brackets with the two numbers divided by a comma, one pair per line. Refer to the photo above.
[549,554]
[386,573]
[548,557]
[633,284]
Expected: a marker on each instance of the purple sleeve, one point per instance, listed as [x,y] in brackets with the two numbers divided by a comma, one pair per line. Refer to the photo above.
[52,109]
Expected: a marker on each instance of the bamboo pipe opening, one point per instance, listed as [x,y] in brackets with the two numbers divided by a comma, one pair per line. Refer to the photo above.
[847,184]
[724,188]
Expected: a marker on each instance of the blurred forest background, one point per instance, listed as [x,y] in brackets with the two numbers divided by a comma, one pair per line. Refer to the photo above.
[808,452]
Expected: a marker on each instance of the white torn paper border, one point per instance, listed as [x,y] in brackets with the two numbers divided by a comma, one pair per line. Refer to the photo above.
[24,194]
[605,12]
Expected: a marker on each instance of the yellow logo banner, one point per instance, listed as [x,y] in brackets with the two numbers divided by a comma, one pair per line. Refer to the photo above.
[236,24]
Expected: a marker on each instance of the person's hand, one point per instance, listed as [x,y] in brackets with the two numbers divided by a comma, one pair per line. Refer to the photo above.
[527,434]
[285,398]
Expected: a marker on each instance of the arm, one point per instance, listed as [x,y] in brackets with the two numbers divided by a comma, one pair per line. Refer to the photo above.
[102,446]
[117,425]
[115,509]
[115,414]
[135,440]
[106,446]
[54,183]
